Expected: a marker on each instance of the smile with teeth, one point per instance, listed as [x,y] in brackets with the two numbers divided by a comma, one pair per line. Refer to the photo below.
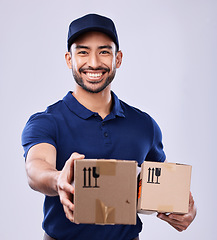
[94,75]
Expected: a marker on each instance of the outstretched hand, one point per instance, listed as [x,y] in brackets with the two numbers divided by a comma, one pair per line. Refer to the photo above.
[64,186]
[181,221]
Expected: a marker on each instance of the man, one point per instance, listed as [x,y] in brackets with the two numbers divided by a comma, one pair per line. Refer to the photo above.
[90,122]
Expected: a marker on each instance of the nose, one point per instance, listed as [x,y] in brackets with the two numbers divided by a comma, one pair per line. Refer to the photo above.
[93,60]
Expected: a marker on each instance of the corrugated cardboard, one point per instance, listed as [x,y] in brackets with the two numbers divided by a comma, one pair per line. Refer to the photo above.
[164,187]
[105,191]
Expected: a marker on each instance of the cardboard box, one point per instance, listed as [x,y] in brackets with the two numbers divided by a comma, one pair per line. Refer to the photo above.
[164,187]
[105,191]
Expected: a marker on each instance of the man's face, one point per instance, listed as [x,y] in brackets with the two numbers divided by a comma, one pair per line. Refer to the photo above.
[94,61]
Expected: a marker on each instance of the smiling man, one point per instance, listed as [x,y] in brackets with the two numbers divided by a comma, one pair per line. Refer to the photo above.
[89,122]
[93,58]
[94,61]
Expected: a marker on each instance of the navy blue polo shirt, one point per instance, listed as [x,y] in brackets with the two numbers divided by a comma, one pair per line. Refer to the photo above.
[125,134]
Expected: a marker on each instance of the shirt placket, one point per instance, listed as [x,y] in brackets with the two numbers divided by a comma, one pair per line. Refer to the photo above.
[105,132]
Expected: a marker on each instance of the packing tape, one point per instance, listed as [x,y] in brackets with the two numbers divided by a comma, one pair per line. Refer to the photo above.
[165,208]
[104,214]
[106,167]
[170,166]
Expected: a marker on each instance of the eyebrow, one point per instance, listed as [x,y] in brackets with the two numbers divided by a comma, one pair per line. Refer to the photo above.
[81,46]
[100,47]
[105,46]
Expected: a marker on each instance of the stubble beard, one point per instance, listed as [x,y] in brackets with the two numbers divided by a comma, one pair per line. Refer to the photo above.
[81,83]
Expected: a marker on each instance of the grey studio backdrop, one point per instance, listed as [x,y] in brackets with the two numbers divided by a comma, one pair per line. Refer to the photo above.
[168,70]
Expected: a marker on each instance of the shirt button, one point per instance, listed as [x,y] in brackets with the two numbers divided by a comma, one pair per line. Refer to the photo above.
[95,114]
[106,134]
[103,124]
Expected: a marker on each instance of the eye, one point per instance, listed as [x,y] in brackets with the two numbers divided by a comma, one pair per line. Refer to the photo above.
[104,52]
[82,52]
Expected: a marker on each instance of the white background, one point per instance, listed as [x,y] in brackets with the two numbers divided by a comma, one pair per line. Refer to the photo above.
[169,71]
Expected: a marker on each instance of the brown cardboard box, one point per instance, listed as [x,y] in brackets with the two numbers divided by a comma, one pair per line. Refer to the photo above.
[164,187]
[105,191]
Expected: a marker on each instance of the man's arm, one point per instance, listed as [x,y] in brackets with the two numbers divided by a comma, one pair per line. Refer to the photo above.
[181,221]
[44,177]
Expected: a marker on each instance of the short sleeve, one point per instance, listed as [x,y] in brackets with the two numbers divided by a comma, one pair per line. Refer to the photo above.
[156,153]
[40,128]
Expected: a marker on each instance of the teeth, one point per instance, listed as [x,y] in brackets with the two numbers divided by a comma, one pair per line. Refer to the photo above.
[94,75]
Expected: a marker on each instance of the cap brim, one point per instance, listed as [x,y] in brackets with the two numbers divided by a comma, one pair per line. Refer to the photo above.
[72,39]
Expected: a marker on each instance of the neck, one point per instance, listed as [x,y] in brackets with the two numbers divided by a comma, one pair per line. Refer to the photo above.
[96,102]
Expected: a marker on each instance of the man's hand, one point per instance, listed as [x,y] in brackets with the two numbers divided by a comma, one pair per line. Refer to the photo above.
[181,221]
[64,186]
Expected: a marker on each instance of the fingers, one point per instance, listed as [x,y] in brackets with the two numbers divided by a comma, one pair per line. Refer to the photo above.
[65,195]
[69,214]
[68,206]
[191,200]
[65,189]
[176,217]
[178,227]
[174,223]
[179,221]
[69,165]
[76,156]
[67,203]
[70,162]
[168,218]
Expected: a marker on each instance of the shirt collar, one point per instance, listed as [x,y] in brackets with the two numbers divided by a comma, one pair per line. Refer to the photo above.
[85,113]
[117,109]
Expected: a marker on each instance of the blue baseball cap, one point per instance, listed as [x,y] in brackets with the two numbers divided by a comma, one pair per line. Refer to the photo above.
[92,22]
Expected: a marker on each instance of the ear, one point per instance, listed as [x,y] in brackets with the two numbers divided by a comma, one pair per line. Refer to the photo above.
[68,60]
[119,57]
